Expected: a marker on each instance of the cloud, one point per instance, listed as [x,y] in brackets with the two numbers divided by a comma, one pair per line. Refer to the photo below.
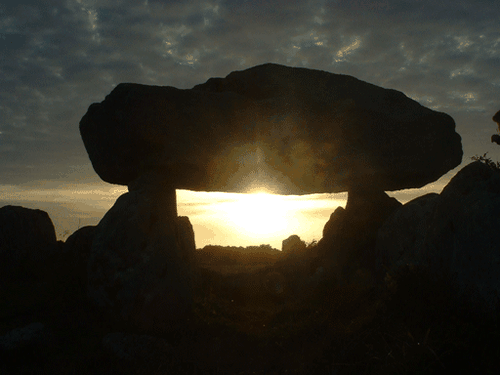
[57,57]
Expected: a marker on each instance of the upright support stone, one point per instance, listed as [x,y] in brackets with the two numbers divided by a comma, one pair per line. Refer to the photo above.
[351,247]
[139,268]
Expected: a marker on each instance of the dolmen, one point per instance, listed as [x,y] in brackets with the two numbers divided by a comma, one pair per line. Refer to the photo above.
[290,130]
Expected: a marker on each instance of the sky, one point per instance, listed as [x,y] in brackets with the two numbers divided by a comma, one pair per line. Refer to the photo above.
[57,57]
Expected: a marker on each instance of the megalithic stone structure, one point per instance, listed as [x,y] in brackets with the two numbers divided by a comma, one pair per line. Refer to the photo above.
[292,130]
[288,130]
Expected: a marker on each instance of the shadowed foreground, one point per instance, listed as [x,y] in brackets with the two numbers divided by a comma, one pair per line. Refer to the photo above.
[258,315]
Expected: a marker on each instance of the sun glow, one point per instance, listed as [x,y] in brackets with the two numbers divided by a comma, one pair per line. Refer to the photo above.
[258,213]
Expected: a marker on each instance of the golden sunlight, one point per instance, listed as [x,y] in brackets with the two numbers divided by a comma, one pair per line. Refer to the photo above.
[258,214]
[257,217]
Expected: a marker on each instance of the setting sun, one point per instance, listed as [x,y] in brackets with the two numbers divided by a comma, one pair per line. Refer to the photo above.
[258,214]
[257,217]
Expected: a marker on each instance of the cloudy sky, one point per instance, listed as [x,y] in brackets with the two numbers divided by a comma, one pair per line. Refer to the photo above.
[59,57]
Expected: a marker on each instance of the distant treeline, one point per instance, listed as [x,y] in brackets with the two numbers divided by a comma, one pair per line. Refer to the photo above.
[234,254]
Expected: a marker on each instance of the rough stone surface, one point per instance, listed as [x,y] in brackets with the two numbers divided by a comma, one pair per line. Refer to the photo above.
[463,237]
[138,269]
[454,235]
[135,348]
[292,244]
[80,242]
[185,234]
[402,238]
[291,130]
[26,235]
[333,226]
[348,247]
[77,248]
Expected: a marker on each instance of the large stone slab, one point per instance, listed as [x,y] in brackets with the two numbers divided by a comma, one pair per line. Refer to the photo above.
[290,130]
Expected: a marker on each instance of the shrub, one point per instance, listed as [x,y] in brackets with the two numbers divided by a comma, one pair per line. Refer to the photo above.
[490,163]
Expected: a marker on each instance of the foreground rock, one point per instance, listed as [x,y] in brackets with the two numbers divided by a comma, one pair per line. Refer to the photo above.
[293,130]
[454,235]
[139,268]
[402,240]
[77,249]
[292,244]
[27,236]
[349,236]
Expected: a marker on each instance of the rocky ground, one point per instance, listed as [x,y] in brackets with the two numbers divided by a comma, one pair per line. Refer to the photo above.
[281,317]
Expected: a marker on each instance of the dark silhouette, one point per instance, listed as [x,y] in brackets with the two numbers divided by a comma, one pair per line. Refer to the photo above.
[295,130]
[496,137]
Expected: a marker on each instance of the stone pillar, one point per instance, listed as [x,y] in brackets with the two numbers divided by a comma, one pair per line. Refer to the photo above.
[140,263]
[350,244]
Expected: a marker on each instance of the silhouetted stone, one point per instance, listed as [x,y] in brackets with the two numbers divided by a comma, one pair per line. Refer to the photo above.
[348,248]
[292,130]
[27,236]
[454,235]
[138,268]
[463,236]
[77,248]
[80,242]
[292,244]
[401,240]
[333,226]
[185,234]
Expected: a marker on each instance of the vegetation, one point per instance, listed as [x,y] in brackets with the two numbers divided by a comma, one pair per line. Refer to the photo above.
[490,163]
[263,317]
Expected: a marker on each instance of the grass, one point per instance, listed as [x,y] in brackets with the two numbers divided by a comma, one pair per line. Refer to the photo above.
[241,324]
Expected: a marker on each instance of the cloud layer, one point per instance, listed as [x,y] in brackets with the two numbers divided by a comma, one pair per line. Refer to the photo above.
[57,57]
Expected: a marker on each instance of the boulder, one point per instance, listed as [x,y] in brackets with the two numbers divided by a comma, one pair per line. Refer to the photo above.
[77,250]
[80,242]
[401,240]
[333,226]
[291,130]
[292,244]
[350,235]
[27,236]
[453,235]
[462,239]
[138,269]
